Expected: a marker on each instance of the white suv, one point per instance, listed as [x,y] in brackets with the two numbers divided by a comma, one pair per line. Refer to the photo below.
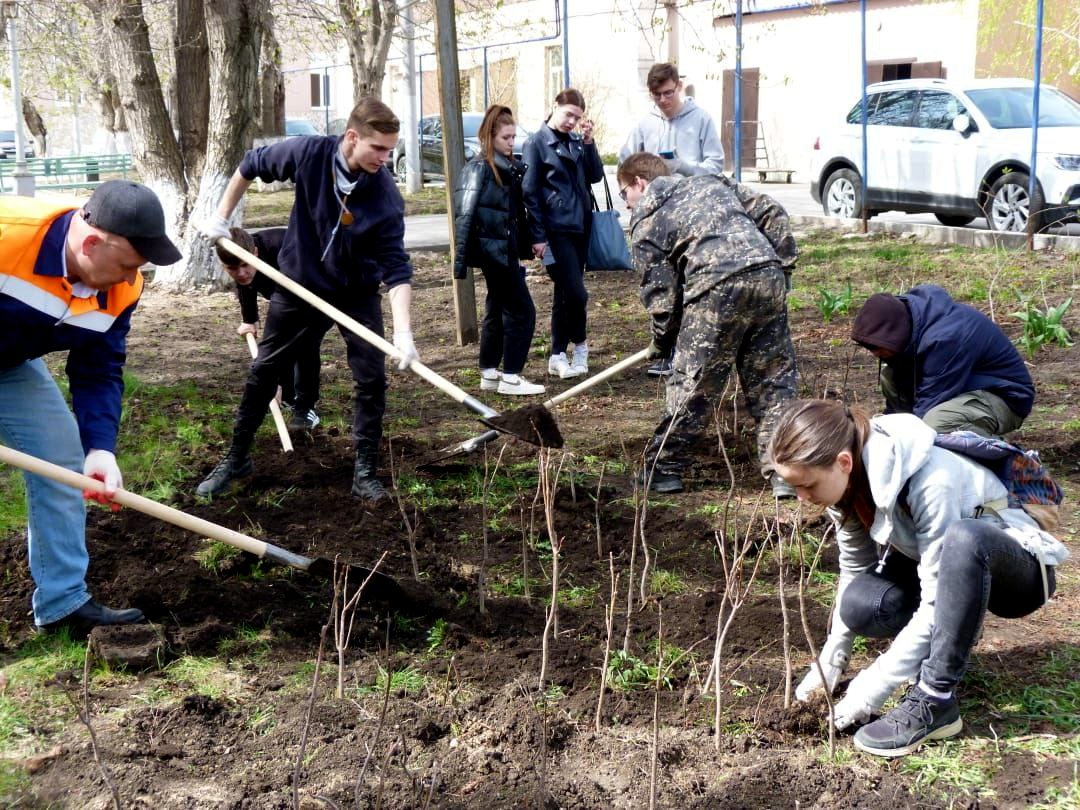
[958,150]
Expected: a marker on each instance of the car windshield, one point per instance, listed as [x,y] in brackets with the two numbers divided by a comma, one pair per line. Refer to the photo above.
[7,135]
[300,126]
[1010,107]
[470,125]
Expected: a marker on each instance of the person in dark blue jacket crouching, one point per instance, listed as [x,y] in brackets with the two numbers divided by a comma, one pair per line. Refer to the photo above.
[945,362]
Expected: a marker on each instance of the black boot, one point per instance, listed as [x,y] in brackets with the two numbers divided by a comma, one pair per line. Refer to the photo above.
[93,614]
[364,483]
[237,464]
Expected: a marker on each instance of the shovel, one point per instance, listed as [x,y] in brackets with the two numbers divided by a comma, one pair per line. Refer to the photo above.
[533,424]
[476,442]
[379,586]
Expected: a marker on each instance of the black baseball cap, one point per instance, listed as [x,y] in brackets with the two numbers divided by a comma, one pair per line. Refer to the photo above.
[133,211]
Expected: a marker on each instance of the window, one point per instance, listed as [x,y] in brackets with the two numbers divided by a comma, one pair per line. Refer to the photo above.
[893,109]
[554,72]
[320,90]
[937,110]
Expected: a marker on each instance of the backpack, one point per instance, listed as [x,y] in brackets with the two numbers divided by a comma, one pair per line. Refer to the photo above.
[1030,485]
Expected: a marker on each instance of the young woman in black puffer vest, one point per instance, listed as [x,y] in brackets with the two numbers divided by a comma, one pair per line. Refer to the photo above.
[492,234]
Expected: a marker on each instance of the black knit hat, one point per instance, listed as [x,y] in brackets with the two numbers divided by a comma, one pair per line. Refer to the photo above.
[883,323]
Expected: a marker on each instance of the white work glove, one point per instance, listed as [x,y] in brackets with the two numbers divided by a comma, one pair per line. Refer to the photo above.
[851,711]
[834,660]
[403,342]
[101,464]
[214,227]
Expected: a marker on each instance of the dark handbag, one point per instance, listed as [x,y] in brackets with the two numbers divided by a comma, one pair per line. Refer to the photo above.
[607,242]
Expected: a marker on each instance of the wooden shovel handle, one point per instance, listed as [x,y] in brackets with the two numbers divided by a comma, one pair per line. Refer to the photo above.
[599,377]
[202,527]
[357,328]
[275,408]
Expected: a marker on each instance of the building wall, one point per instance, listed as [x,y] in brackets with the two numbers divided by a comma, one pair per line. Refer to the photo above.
[810,60]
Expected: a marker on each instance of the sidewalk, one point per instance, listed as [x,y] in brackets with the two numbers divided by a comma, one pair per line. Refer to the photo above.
[430,232]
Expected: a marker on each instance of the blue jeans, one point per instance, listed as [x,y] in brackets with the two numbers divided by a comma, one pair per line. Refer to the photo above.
[981,569]
[35,419]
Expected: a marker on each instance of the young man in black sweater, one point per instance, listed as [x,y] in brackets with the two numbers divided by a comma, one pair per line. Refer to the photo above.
[344,241]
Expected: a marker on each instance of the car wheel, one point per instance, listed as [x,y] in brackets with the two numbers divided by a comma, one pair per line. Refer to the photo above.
[954,220]
[843,195]
[400,169]
[1008,207]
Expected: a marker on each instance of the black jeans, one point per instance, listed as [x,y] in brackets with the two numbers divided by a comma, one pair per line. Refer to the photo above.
[291,326]
[509,319]
[981,569]
[569,299]
[300,384]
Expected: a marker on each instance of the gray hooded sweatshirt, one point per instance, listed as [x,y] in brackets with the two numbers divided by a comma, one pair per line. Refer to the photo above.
[943,488]
[690,135]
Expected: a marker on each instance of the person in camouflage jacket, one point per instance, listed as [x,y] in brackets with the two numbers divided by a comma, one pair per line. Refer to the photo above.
[715,260]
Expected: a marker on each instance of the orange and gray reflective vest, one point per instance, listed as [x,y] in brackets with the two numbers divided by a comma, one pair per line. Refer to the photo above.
[40,313]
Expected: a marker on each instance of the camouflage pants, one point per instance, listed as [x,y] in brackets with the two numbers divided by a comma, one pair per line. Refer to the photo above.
[742,322]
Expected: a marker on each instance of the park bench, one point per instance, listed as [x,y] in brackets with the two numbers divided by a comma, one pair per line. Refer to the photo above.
[73,171]
[764,172]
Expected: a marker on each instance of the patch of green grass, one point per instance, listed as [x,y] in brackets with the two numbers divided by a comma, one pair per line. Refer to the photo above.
[1061,798]
[947,764]
[215,555]
[12,501]
[407,680]
[16,792]
[28,702]
[579,596]
[831,304]
[209,677]
[436,636]
[627,673]
[428,200]
[666,583]
[1042,326]
[247,642]
[260,719]
[514,586]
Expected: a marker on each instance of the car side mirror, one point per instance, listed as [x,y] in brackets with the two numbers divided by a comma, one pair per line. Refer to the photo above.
[962,124]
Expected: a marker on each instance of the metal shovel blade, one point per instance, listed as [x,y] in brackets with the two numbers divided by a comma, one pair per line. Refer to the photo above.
[533,423]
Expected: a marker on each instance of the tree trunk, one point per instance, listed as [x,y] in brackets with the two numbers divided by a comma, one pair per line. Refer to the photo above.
[192,85]
[35,125]
[368,28]
[271,84]
[154,149]
[234,31]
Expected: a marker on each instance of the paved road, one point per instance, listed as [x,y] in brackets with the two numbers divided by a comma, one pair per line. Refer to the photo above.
[430,232]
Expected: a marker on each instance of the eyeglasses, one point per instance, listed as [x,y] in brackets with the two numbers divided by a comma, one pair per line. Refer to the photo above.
[622,191]
[665,95]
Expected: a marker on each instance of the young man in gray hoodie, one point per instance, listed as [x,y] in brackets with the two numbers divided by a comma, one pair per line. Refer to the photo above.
[682,133]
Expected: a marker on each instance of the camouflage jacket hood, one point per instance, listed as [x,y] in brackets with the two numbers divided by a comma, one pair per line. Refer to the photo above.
[692,234]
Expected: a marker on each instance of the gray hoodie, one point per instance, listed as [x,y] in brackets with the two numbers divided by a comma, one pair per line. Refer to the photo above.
[690,135]
[943,488]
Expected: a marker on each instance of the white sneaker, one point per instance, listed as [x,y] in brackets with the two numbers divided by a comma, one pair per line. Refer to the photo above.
[559,366]
[516,385]
[580,360]
[489,379]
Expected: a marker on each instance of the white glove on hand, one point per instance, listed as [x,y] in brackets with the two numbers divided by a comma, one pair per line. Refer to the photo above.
[851,711]
[403,342]
[214,227]
[834,661]
[101,464]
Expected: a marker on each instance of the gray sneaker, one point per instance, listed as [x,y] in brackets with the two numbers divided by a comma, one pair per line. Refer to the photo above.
[227,470]
[918,718]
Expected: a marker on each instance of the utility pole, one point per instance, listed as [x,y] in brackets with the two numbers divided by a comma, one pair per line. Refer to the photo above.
[453,144]
[24,181]
[414,176]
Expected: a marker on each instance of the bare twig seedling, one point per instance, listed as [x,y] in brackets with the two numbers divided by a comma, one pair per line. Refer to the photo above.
[343,612]
[489,480]
[655,754]
[596,514]
[548,489]
[382,718]
[302,748]
[411,526]
[609,625]
[804,577]
[781,561]
[83,713]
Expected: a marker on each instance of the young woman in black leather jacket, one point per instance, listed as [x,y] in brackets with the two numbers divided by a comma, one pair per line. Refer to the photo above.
[562,166]
[491,234]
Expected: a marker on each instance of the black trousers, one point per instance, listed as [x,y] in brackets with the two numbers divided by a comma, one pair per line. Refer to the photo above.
[291,326]
[300,384]
[569,299]
[509,319]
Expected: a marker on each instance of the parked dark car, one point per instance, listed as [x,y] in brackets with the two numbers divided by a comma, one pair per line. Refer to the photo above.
[7,145]
[431,154]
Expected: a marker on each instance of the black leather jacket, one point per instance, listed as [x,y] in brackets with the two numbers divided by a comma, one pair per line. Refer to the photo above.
[489,219]
[557,183]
